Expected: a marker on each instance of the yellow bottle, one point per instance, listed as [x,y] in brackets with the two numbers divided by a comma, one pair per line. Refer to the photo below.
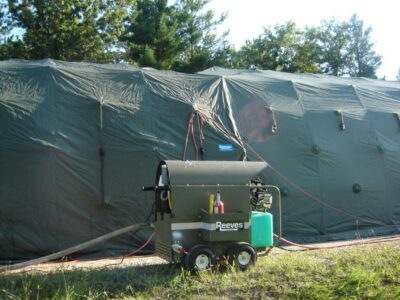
[211,204]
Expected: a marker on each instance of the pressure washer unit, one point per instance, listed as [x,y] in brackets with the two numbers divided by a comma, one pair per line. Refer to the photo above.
[188,228]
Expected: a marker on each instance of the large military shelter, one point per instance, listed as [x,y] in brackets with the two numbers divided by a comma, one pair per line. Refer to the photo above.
[79,140]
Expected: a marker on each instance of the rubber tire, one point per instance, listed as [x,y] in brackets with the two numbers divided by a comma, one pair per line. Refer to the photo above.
[189,261]
[234,252]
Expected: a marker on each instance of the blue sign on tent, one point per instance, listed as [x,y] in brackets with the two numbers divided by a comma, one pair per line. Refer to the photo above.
[226,148]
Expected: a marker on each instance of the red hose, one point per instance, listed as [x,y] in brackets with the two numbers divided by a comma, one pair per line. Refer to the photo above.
[377,241]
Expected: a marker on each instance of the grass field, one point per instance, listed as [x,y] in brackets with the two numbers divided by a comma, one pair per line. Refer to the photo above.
[362,272]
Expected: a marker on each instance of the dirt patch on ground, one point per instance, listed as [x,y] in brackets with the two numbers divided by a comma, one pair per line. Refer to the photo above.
[89,264]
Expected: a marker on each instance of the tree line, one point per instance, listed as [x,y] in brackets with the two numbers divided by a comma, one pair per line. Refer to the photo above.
[180,36]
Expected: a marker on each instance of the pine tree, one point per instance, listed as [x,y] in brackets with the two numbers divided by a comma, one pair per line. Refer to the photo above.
[78,30]
[364,62]
[332,41]
[344,48]
[202,48]
[151,35]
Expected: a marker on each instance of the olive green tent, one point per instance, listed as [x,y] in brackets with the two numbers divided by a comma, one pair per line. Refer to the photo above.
[78,140]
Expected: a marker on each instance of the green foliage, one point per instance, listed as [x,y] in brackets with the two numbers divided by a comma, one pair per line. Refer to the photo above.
[2,21]
[196,31]
[332,41]
[335,48]
[363,272]
[180,36]
[150,35]
[74,30]
[9,45]
[364,62]
[282,48]
[224,56]
[345,48]
[11,48]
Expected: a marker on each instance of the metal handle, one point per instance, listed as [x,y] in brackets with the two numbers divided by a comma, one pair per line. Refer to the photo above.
[148,188]
[155,188]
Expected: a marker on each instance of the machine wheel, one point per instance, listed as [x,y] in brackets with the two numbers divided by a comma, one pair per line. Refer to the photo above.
[242,256]
[199,258]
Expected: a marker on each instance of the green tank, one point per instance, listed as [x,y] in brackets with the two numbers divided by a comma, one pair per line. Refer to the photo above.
[261,229]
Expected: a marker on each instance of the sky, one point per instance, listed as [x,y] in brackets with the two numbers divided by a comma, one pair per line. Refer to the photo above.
[247,18]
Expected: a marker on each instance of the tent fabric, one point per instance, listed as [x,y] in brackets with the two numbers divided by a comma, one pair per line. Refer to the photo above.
[79,140]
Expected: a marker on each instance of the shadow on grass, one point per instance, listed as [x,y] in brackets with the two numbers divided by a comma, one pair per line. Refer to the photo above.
[95,284]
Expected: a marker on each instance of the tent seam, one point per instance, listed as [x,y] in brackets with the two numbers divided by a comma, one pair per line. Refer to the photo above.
[298,96]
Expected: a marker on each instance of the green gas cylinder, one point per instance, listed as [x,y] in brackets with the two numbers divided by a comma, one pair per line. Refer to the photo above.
[261,229]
